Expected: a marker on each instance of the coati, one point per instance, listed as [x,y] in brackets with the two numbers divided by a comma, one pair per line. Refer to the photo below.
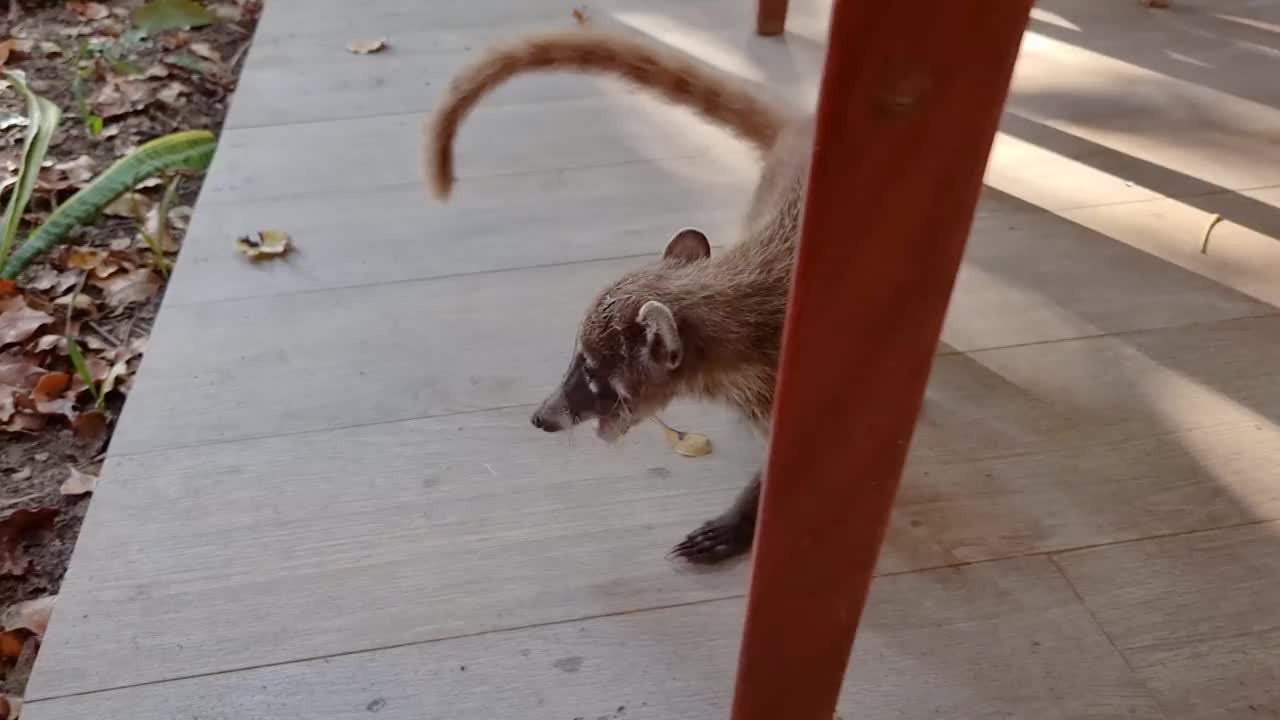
[689,324]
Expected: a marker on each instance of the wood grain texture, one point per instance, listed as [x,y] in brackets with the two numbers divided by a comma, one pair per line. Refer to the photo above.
[298,73]
[361,355]
[359,236]
[1243,252]
[228,556]
[1092,441]
[1024,263]
[1197,617]
[329,359]
[338,540]
[996,641]
[275,161]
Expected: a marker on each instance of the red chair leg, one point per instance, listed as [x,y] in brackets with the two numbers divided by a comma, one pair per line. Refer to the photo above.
[771,16]
[911,96]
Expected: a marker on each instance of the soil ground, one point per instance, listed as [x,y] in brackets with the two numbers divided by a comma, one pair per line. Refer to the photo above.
[93,65]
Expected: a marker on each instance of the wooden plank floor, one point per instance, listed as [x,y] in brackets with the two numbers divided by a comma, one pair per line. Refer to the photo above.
[325,500]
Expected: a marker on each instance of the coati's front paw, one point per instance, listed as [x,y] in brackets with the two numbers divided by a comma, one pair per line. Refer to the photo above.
[717,541]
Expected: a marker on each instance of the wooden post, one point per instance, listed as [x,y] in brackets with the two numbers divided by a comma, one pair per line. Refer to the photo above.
[910,100]
[771,17]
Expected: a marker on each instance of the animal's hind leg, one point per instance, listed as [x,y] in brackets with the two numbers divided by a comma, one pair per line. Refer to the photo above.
[726,536]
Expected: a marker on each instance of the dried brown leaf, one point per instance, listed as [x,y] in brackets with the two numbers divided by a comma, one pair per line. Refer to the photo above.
[164,235]
[6,47]
[265,244]
[171,93]
[159,70]
[45,343]
[78,483]
[129,205]
[80,300]
[8,288]
[366,47]
[66,280]
[7,408]
[116,376]
[180,217]
[65,407]
[18,321]
[95,342]
[206,51]
[10,706]
[51,386]
[11,645]
[79,171]
[43,278]
[73,31]
[89,10]
[90,425]
[175,40]
[127,351]
[130,287]
[32,615]
[18,371]
[98,368]
[83,258]
[229,11]
[17,528]
[24,422]
[119,96]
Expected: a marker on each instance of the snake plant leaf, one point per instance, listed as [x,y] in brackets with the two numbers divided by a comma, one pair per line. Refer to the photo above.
[185,150]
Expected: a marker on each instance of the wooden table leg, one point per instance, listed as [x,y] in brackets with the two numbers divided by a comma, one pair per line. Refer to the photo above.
[910,100]
[771,17]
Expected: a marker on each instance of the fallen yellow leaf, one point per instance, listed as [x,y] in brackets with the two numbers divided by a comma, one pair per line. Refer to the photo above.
[365,47]
[78,483]
[266,243]
[688,444]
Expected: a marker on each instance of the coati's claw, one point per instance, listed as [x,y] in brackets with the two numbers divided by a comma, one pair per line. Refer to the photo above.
[716,541]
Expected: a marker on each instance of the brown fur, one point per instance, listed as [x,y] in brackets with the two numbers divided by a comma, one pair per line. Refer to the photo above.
[665,73]
[728,310]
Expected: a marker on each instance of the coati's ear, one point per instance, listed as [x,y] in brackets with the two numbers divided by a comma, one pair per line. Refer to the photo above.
[660,332]
[687,246]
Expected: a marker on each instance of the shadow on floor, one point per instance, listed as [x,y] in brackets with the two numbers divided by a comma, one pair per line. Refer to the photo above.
[1195,43]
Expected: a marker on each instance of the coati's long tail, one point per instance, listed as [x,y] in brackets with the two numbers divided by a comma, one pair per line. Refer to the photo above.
[670,75]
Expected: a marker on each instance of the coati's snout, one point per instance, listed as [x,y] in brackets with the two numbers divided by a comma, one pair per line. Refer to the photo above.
[629,351]
[586,392]
[552,415]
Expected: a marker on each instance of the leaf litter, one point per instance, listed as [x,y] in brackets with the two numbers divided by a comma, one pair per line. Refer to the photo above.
[122,72]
